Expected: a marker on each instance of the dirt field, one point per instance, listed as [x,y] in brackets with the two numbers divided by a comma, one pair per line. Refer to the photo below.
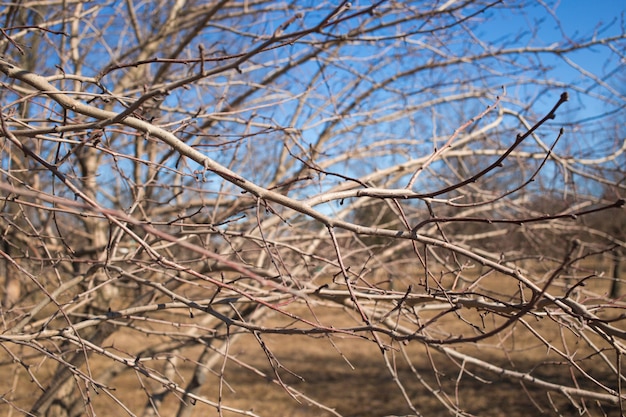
[369,390]
[348,375]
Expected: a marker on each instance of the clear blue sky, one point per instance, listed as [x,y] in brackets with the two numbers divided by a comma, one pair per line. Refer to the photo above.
[572,19]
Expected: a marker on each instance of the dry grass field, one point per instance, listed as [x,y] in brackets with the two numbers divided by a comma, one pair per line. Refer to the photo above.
[346,373]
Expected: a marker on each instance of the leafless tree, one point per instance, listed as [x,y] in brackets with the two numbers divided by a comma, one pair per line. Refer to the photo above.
[208,205]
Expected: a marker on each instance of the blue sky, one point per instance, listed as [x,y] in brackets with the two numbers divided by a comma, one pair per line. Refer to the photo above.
[506,26]
[572,19]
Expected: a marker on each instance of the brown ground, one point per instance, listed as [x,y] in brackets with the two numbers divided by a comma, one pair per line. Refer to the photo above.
[364,387]
[349,376]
